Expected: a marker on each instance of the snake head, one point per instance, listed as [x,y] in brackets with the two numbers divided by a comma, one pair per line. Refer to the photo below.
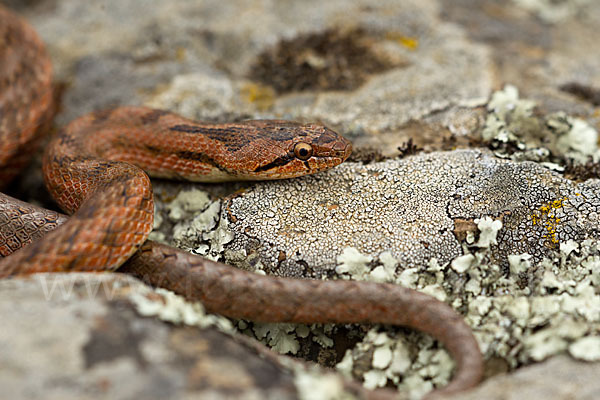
[290,149]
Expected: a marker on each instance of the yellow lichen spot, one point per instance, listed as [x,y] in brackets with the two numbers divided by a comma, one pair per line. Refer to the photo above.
[261,96]
[180,53]
[558,203]
[410,43]
[548,216]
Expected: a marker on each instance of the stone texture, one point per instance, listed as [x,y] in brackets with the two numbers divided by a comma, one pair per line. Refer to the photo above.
[79,336]
[559,378]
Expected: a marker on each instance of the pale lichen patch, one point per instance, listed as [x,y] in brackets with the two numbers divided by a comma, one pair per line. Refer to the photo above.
[409,278]
[345,366]
[519,310]
[543,344]
[435,291]
[534,322]
[218,238]
[195,222]
[569,246]
[461,264]
[353,263]
[390,359]
[173,308]
[505,109]
[519,263]
[587,349]
[188,201]
[315,385]
[554,12]
[518,323]
[488,230]
[386,271]
[320,333]
[382,357]
[576,138]
[519,134]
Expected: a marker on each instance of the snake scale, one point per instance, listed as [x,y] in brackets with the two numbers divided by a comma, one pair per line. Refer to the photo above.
[94,168]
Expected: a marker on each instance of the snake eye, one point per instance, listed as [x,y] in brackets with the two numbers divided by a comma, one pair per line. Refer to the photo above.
[303,151]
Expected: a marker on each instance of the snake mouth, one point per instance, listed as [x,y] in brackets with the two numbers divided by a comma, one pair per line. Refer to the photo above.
[338,153]
[331,157]
[347,151]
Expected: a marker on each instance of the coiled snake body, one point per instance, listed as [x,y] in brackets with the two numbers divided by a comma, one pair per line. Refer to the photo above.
[89,170]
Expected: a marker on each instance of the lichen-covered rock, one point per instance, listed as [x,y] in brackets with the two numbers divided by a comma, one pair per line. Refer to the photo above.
[411,208]
[82,336]
[520,258]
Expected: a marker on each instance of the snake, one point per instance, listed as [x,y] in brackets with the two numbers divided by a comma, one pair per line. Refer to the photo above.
[97,169]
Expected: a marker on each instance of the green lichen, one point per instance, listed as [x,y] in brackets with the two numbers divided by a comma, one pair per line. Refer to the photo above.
[280,337]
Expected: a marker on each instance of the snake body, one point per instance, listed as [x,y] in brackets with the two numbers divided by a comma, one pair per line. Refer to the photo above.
[24,109]
[89,169]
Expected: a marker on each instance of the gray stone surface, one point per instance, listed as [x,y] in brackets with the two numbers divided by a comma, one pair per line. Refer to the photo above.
[81,336]
[559,378]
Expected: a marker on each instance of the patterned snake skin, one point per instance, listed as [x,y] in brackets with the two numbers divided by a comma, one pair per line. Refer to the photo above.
[89,170]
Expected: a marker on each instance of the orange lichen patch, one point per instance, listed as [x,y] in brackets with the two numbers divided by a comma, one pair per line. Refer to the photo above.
[410,43]
[546,215]
[259,95]
[180,54]
[329,206]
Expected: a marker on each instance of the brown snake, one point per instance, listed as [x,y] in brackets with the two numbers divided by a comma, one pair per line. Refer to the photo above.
[89,170]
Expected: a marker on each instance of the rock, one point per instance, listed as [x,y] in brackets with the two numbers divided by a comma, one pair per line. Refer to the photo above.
[82,336]
[530,236]
[410,207]
[559,378]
